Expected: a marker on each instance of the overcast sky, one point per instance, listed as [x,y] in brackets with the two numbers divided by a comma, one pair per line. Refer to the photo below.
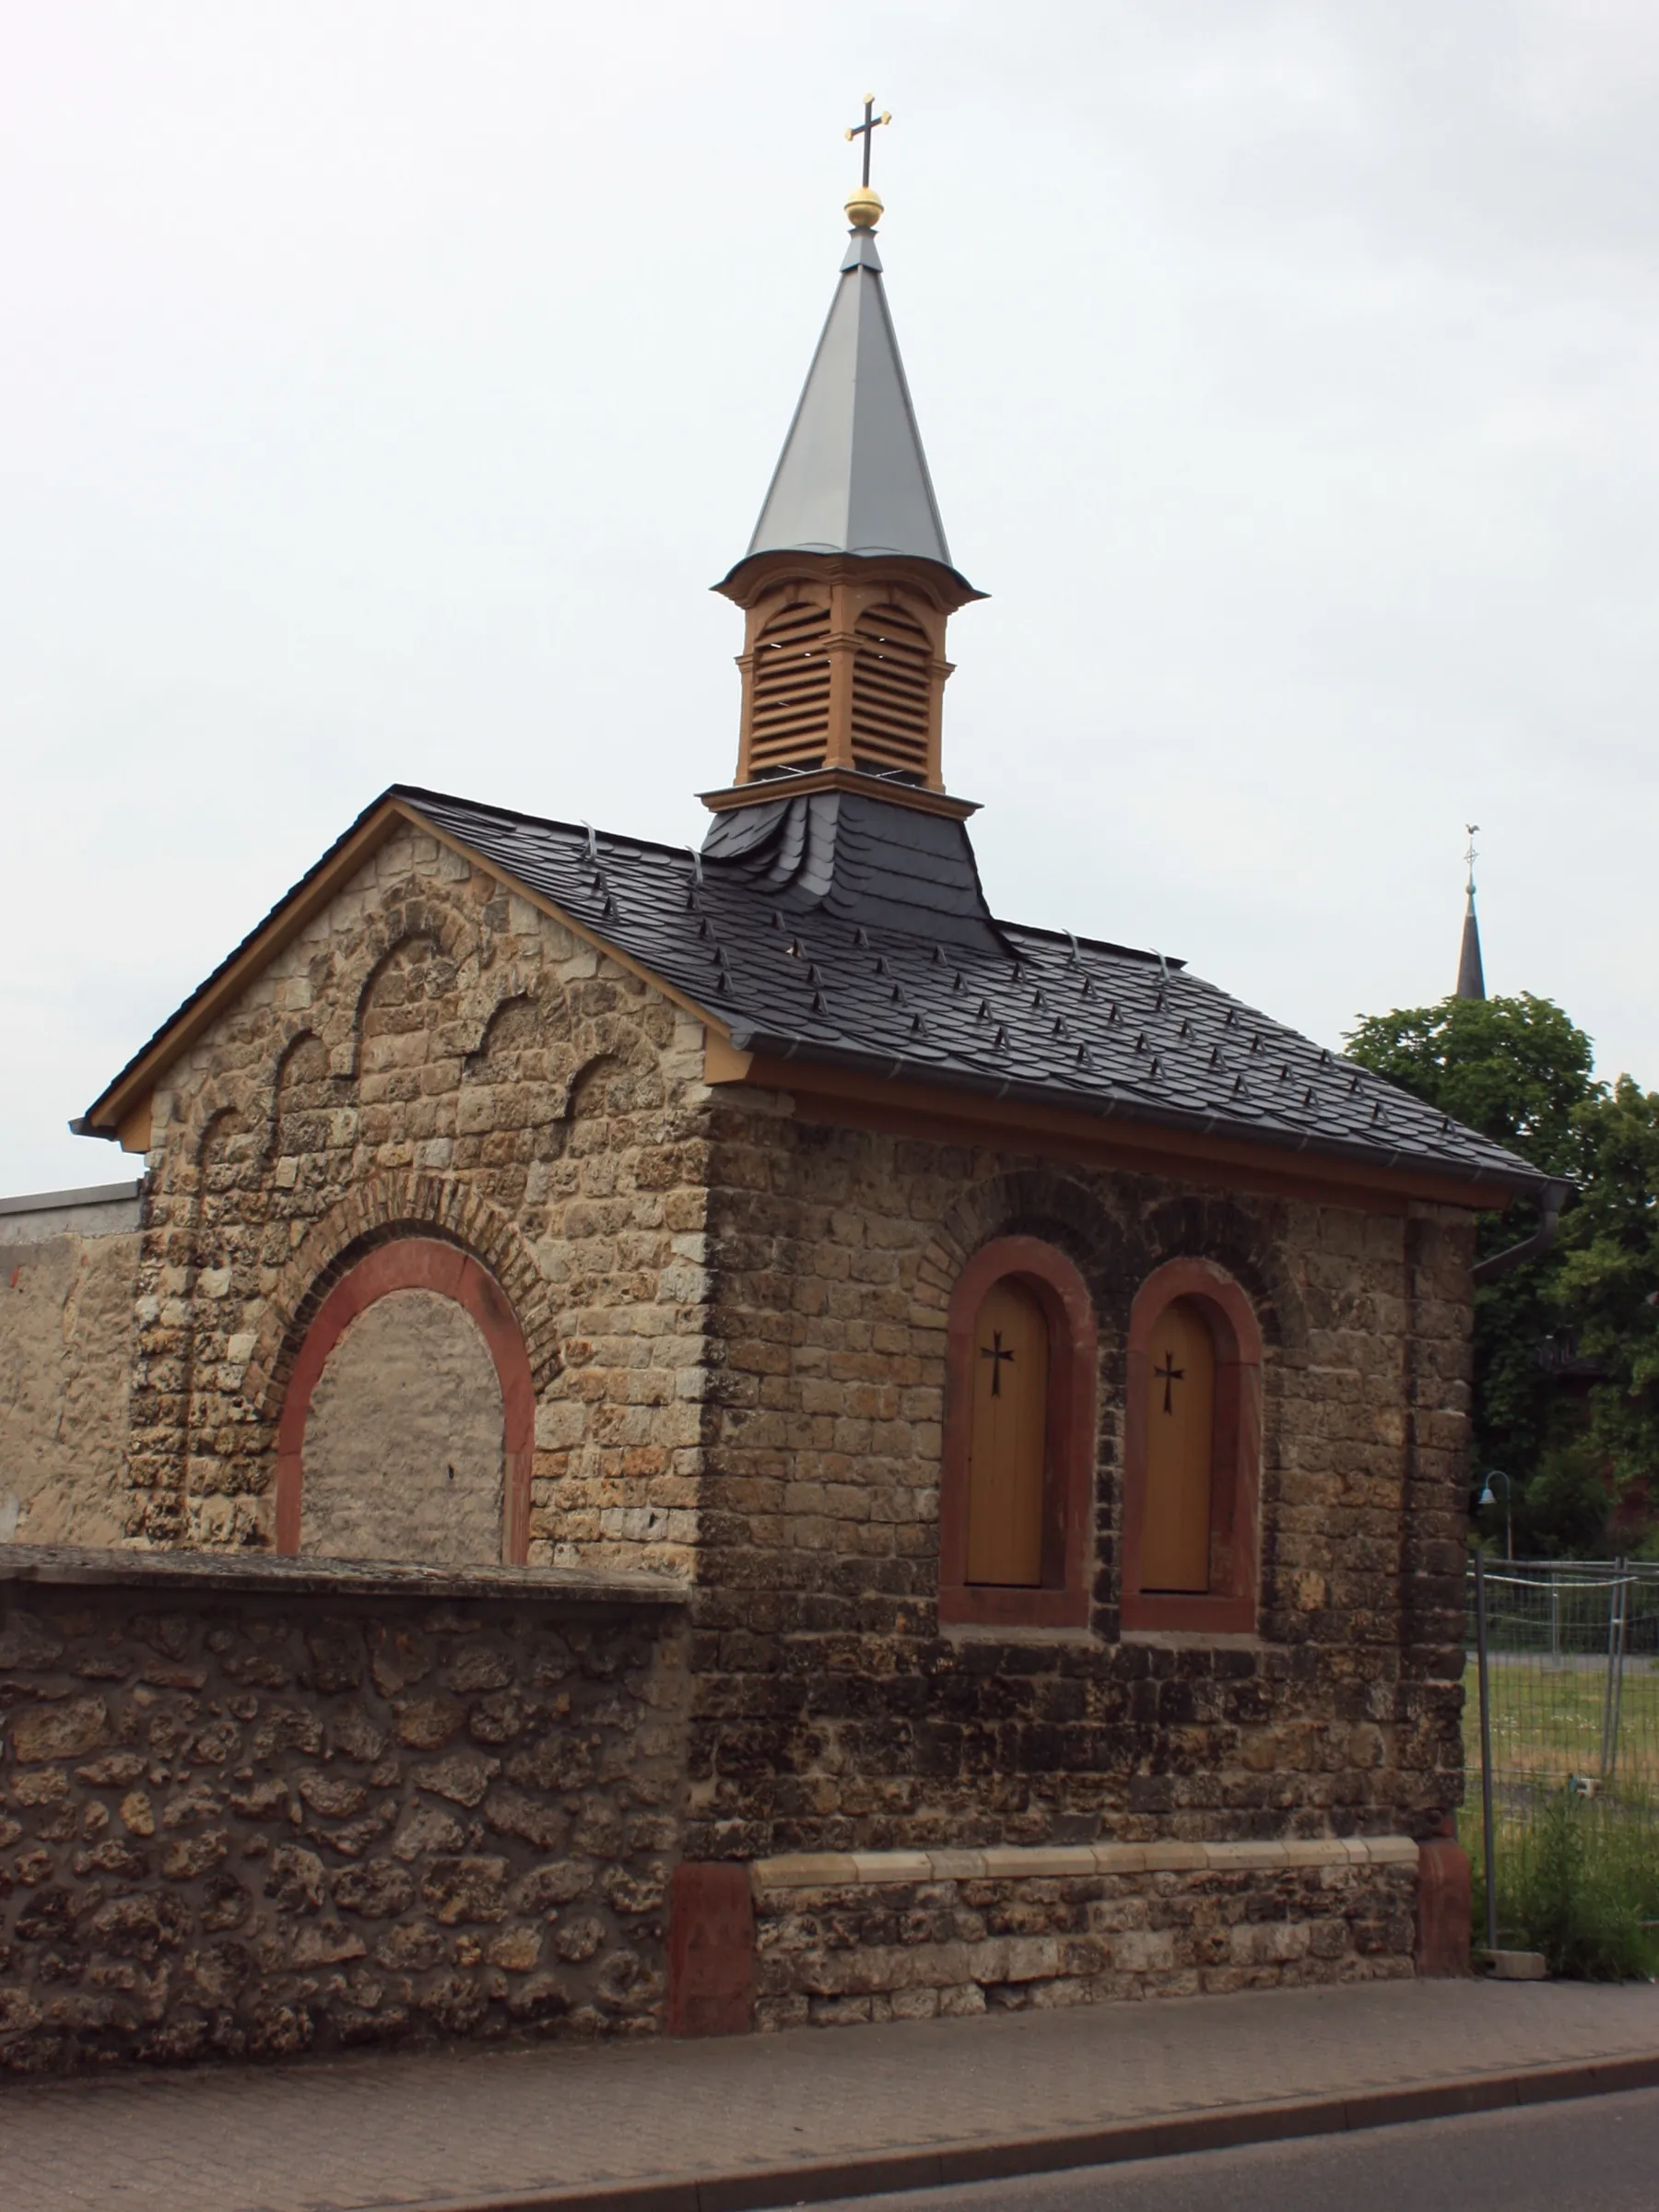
[383,386]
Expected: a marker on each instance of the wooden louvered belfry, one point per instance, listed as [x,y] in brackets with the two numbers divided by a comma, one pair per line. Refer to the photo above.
[843,667]
[892,690]
[787,706]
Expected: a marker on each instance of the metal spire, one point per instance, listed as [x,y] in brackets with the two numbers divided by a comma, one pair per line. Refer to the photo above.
[852,477]
[1471,979]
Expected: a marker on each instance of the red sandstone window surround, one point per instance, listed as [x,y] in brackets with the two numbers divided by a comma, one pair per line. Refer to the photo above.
[416,1264]
[1020,1440]
[1191,1454]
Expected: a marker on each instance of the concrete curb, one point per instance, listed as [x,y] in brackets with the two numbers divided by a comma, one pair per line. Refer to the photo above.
[873,2173]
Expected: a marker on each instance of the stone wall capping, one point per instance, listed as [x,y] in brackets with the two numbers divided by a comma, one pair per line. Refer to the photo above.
[1119,1858]
[1392,1851]
[1177,1858]
[1029,1862]
[90,1567]
[891,1866]
[957,1865]
[863,1870]
[1320,1850]
[806,1870]
[1248,1852]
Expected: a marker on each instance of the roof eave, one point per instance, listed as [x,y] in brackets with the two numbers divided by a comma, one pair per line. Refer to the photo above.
[897,1068]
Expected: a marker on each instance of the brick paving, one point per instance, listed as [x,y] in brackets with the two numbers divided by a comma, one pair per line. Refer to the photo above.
[464,2125]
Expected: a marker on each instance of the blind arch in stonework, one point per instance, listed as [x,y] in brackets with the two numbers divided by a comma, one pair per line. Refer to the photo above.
[412,1513]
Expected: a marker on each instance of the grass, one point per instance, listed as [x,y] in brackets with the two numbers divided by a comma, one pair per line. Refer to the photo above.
[1577,1852]
[1547,1720]
[1579,1882]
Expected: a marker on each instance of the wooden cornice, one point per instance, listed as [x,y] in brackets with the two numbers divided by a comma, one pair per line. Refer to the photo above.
[794,787]
[757,572]
[850,1098]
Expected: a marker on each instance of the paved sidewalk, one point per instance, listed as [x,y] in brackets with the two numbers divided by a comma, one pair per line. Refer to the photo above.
[474,2127]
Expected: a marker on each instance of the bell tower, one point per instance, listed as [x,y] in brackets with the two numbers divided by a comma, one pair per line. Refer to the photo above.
[847,584]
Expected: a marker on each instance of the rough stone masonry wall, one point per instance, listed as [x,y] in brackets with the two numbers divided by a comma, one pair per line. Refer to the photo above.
[432,1053]
[246,1823]
[66,1338]
[833,1714]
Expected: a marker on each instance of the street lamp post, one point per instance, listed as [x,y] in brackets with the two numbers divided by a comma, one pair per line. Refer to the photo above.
[1487,1497]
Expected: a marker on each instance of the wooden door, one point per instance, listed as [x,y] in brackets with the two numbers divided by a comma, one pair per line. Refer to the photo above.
[1181,1451]
[1009,1440]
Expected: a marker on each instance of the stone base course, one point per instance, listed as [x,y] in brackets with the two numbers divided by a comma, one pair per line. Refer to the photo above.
[819,1869]
[877,1935]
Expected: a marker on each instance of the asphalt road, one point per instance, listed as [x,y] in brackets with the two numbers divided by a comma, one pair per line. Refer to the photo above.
[1597,2155]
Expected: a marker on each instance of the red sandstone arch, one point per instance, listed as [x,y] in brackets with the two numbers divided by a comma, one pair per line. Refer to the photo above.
[416,1264]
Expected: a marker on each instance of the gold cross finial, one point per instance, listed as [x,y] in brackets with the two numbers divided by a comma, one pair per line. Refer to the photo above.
[864,209]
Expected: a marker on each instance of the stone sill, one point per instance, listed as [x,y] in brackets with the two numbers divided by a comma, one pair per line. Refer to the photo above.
[265,1574]
[843,1869]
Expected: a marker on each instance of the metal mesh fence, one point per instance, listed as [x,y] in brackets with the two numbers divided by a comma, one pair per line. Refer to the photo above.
[1572,1731]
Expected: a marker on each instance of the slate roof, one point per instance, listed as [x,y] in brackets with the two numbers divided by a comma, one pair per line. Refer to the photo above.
[792,954]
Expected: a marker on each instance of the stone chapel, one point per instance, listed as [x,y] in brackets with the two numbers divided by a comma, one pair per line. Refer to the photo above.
[729,1438]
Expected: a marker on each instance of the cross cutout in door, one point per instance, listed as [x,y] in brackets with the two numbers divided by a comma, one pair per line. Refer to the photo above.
[995,1353]
[1167,1375]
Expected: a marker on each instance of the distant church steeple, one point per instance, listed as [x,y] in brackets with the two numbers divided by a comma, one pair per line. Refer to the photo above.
[1471,980]
[848,582]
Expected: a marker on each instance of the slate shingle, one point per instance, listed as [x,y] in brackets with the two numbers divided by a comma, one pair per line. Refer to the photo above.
[1015,1011]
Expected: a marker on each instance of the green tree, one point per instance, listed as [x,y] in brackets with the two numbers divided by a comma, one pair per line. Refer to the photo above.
[1517,1069]
[1605,1282]
[1520,1070]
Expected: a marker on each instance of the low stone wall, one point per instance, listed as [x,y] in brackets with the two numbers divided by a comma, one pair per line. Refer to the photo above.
[849,1936]
[251,1808]
[69,1278]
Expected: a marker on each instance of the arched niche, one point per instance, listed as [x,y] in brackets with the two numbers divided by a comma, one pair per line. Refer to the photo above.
[433,1271]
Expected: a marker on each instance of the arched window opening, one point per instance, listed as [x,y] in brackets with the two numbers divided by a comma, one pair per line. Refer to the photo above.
[1007,1446]
[1020,1440]
[1192,1459]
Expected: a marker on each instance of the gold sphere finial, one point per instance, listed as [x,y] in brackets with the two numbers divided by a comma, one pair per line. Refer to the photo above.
[864,209]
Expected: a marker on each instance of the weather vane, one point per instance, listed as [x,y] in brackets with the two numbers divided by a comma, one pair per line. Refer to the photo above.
[1471,856]
[866,131]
